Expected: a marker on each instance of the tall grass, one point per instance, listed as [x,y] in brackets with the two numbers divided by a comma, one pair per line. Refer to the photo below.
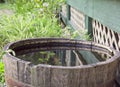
[18,27]
[5,6]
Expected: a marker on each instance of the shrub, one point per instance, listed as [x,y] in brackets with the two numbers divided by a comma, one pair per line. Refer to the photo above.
[19,27]
[49,6]
[2,80]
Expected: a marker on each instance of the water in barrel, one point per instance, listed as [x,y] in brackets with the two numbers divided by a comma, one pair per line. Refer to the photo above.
[64,57]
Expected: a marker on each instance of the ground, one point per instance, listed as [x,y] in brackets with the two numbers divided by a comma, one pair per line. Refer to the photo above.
[5,11]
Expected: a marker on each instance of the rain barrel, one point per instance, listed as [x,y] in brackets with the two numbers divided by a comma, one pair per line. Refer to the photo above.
[59,62]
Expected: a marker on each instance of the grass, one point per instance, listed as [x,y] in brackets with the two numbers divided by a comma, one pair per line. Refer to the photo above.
[5,6]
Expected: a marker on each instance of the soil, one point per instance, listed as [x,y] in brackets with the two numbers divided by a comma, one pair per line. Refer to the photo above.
[6,12]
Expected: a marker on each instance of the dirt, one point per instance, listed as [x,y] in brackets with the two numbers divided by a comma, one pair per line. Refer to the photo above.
[6,12]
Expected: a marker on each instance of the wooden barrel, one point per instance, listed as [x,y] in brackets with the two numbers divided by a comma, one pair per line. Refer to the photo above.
[20,73]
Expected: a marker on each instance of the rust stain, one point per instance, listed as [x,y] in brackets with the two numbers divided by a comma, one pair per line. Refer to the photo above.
[14,83]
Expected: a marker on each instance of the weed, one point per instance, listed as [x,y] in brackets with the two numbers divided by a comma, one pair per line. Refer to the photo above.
[2,80]
[75,34]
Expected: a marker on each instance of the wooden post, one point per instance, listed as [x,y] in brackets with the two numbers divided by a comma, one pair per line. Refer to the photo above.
[68,13]
[62,57]
[88,25]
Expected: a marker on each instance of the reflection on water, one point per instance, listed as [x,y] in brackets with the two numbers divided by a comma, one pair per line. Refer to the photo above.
[64,57]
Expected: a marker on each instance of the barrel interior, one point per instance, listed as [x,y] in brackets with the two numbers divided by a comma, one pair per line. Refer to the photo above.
[60,52]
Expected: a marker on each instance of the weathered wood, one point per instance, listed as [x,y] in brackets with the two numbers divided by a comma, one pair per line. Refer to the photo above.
[11,67]
[22,73]
[68,57]
[41,76]
[79,60]
[62,74]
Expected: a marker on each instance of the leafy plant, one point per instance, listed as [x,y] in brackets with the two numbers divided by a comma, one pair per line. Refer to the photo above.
[75,34]
[18,27]
[83,34]
[47,57]
[2,80]
[5,6]
[48,6]
[9,1]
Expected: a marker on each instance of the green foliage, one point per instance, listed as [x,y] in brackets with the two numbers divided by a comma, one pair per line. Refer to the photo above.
[76,34]
[2,80]
[19,27]
[32,18]
[48,6]
[48,55]
[83,34]
[10,1]
[5,6]
[4,52]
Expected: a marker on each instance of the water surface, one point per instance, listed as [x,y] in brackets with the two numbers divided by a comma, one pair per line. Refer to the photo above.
[64,57]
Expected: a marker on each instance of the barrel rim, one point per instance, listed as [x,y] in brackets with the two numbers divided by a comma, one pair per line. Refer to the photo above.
[112,59]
